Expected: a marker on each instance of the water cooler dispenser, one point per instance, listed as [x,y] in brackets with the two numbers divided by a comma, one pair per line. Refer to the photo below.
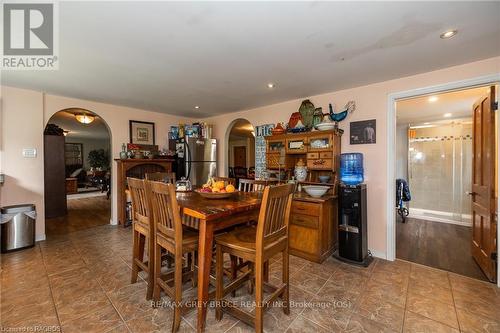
[352,229]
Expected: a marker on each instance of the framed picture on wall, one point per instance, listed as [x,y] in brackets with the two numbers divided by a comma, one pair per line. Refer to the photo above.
[363,132]
[142,132]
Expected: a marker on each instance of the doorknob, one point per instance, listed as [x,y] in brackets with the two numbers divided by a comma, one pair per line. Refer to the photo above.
[470,193]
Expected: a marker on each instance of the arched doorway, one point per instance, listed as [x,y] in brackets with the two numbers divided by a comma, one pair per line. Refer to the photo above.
[77,169]
[240,149]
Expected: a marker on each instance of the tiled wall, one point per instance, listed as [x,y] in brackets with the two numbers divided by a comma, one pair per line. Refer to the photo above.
[440,168]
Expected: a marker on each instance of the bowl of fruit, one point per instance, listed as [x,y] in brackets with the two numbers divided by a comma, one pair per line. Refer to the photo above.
[216,190]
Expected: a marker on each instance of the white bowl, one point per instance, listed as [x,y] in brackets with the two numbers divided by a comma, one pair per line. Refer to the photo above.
[316,191]
[325,126]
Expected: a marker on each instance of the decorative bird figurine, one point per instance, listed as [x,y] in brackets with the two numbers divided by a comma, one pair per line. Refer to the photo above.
[348,108]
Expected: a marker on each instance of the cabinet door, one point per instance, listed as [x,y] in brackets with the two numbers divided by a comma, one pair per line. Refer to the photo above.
[320,142]
[296,145]
[275,146]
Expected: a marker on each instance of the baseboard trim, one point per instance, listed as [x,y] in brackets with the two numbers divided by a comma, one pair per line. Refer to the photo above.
[40,238]
[438,219]
[378,254]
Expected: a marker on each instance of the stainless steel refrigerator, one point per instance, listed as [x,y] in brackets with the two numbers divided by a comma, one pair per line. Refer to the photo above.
[201,160]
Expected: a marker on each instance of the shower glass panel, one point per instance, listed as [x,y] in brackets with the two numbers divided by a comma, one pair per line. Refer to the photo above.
[440,171]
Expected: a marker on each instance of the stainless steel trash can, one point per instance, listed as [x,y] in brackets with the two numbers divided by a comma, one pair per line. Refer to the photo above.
[17,227]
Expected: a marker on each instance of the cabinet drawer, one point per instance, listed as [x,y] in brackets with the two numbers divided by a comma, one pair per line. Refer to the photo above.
[305,220]
[311,156]
[320,163]
[305,208]
[304,240]
[325,154]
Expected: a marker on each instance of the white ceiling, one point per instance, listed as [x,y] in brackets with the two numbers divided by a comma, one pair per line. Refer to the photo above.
[171,56]
[420,109]
[96,130]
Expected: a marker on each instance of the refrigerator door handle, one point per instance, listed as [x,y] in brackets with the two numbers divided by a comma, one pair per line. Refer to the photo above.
[188,160]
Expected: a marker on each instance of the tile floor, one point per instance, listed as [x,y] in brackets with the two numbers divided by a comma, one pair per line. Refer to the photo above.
[80,282]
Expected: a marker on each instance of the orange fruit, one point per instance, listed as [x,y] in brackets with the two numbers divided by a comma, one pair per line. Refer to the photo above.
[230,188]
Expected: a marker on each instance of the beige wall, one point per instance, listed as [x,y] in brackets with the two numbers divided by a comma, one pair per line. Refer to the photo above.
[22,127]
[24,116]
[371,103]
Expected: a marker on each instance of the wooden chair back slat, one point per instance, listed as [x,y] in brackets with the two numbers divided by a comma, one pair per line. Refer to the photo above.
[140,206]
[165,177]
[166,215]
[251,185]
[274,213]
[226,180]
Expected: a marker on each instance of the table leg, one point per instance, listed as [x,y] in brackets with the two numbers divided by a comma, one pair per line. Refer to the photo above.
[206,236]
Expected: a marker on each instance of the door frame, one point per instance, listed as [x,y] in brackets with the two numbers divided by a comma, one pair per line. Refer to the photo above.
[392,98]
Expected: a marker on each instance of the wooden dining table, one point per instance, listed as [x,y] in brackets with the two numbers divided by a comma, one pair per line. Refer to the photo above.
[209,216]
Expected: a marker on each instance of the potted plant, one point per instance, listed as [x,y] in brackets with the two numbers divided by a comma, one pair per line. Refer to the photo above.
[98,159]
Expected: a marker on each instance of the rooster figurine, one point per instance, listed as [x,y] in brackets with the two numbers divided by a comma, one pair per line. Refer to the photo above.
[337,117]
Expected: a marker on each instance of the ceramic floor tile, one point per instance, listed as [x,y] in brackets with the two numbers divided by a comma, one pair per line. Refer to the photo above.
[317,269]
[88,268]
[415,323]
[150,323]
[390,292]
[302,325]
[382,312]
[485,307]
[326,314]
[101,320]
[359,323]
[472,323]
[34,314]
[212,325]
[473,287]
[417,288]
[441,312]
[132,305]
[307,282]
[70,308]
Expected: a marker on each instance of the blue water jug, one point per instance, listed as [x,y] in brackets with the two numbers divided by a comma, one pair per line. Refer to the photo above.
[351,168]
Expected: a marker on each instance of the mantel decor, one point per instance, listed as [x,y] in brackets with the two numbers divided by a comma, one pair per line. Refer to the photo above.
[142,132]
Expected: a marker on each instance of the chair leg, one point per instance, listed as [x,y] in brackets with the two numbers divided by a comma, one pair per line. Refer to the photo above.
[219,277]
[259,310]
[234,271]
[151,269]
[178,292]
[285,279]
[251,280]
[157,273]
[135,255]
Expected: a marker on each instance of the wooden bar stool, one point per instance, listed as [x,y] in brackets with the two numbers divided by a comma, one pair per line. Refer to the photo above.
[142,232]
[166,177]
[170,236]
[257,245]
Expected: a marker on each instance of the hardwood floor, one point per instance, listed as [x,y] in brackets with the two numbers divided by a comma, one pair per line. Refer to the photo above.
[83,214]
[439,245]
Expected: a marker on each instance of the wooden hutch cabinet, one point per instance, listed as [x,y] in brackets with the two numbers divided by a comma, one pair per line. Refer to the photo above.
[314,221]
[136,168]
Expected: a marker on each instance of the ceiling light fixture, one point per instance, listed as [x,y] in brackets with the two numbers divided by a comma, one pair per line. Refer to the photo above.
[447,115]
[271,85]
[448,34]
[197,107]
[84,118]
[433,99]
